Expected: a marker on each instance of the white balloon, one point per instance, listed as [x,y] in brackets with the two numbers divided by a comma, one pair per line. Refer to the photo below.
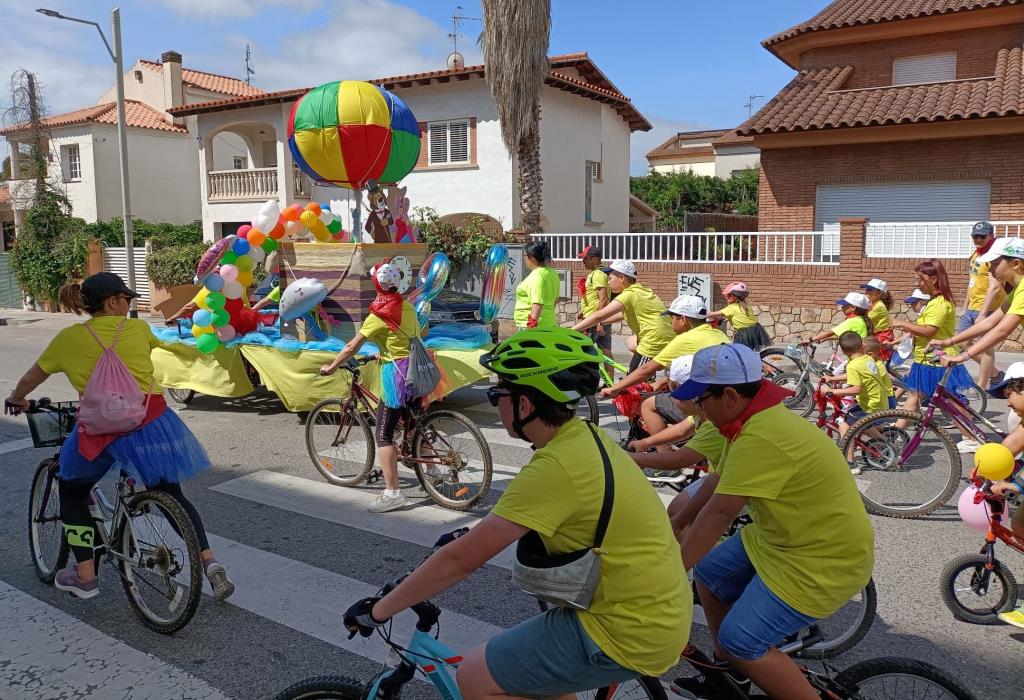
[326,217]
[266,218]
[233,289]
[257,254]
[294,228]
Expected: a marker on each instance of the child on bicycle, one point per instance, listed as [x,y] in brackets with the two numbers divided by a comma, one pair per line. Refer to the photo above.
[741,316]
[877,292]
[863,380]
[873,349]
[855,307]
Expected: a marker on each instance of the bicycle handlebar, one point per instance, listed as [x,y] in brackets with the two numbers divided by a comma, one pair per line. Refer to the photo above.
[34,406]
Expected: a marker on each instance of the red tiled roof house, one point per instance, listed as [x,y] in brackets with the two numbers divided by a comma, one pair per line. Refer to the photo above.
[902,110]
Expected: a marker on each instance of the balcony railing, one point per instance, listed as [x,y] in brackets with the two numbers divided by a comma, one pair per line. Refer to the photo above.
[928,239]
[253,185]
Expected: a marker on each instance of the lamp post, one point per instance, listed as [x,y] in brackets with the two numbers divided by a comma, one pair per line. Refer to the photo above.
[122,135]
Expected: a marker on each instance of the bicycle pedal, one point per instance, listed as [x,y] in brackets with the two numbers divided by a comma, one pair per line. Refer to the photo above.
[374,476]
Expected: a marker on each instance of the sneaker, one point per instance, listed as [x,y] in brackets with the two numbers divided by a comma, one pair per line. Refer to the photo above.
[854,470]
[968,446]
[1000,375]
[1014,617]
[698,688]
[67,580]
[219,581]
[384,503]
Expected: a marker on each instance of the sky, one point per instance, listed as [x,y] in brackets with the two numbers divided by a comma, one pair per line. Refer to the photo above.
[686,64]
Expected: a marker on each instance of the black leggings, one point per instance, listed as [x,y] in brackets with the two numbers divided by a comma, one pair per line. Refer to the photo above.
[74,512]
[387,421]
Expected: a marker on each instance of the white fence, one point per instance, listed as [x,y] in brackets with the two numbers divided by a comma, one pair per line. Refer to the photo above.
[928,239]
[764,247]
[252,185]
[115,260]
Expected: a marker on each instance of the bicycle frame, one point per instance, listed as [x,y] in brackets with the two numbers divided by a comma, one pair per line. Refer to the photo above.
[432,657]
[831,427]
[997,532]
[962,415]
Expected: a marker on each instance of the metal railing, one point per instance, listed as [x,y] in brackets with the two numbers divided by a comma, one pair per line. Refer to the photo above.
[763,247]
[927,239]
[253,185]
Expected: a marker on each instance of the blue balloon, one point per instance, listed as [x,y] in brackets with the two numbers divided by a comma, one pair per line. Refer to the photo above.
[423,312]
[214,282]
[202,318]
[497,254]
[241,246]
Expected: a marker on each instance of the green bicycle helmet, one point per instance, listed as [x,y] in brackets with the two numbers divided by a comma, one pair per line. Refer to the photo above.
[559,362]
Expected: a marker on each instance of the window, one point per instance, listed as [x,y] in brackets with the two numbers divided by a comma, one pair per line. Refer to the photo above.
[933,68]
[241,163]
[448,142]
[269,154]
[591,174]
[71,162]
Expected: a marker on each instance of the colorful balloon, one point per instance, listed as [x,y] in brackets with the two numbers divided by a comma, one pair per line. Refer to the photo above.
[258,254]
[218,318]
[229,258]
[233,290]
[294,228]
[241,247]
[334,226]
[432,278]
[493,292]
[349,132]
[974,515]
[207,343]
[256,237]
[300,297]
[292,213]
[213,255]
[423,312]
[994,461]
[313,207]
[269,245]
[213,282]
[266,218]
[225,333]
[278,231]
[245,263]
[229,273]
[244,279]
[243,230]
[197,330]
[214,301]
[201,318]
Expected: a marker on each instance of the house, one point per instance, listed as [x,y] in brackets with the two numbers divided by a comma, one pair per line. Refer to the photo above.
[905,111]
[717,152]
[83,146]
[463,166]
[643,218]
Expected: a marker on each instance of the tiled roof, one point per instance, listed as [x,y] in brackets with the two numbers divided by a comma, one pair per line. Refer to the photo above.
[815,100]
[685,152]
[732,138]
[851,13]
[673,144]
[210,81]
[594,86]
[137,114]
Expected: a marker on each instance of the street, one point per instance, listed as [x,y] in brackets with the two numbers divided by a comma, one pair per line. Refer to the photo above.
[300,551]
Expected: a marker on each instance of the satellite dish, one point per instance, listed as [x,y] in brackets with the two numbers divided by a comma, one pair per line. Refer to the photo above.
[456,60]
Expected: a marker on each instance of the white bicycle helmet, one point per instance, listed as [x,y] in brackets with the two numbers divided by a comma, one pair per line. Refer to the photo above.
[388,277]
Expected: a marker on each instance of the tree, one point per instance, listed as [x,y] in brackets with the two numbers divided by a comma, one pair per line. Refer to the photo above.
[674,194]
[515,47]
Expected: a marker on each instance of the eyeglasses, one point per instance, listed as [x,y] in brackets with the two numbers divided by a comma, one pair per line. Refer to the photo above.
[701,399]
[494,395]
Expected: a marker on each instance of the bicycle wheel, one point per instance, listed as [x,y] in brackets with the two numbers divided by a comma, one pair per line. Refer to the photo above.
[776,360]
[158,559]
[324,688]
[46,539]
[975,593]
[895,677]
[453,461]
[645,687]
[587,409]
[340,444]
[802,400]
[977,398]
[904,472]
[845,628]
[182,396]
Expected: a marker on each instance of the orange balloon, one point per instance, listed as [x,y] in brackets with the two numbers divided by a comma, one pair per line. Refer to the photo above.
[313,207]
[291,213]
[256,237]
[278,231]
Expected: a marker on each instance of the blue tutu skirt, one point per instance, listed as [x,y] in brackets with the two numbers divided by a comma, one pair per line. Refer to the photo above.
[922,379]
[163,450]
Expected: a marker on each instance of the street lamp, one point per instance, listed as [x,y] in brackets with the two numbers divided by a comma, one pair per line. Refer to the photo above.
[122,136]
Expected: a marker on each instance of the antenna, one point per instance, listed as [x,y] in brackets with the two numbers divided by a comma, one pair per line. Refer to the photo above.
[750,104]
[249,70]
[457,20]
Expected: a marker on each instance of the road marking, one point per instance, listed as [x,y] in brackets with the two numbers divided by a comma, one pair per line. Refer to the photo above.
[312,601]
[15,445]
[48,653]
[421,524]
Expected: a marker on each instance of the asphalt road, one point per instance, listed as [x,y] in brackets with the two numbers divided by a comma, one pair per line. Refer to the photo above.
[301,550]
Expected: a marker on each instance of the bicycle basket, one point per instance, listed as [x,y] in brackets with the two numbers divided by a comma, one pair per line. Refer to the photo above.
[51,427]
[794,351]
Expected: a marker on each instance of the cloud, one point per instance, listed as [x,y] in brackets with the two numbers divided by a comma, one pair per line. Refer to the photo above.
[233,8]
[643,141]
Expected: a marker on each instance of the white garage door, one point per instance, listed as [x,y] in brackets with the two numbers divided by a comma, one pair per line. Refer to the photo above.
[962,200]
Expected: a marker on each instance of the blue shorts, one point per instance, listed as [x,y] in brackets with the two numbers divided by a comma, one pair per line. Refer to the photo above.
[855,414]
[967,319]
[550,655]
[758,619]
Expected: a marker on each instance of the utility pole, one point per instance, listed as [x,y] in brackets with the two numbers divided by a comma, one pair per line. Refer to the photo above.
[122,140]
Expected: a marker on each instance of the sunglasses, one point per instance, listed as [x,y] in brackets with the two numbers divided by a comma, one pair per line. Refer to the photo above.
[701,399]
[494,395]
[980,235]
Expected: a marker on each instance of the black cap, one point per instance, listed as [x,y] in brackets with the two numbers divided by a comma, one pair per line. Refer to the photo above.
[105,284]
[983,228]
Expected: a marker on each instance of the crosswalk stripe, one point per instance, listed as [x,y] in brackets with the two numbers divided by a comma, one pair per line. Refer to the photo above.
[48,653]
[312,600]
[15,445]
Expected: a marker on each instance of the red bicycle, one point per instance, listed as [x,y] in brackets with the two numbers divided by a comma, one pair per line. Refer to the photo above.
[827,420]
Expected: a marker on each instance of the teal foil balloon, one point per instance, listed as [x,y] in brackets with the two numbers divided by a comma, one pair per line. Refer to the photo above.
[493,291]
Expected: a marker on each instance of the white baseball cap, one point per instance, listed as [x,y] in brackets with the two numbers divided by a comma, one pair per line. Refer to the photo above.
[679,370]
[917,295]
[876,284]
[1004,247]
[1014,371]
[687,305]
[855,299]
[624,267]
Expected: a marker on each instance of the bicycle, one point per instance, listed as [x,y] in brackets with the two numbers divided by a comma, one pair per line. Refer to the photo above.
[800,383]
[984,599]
[912,470]
[443,447]
[133,533]
[840,410]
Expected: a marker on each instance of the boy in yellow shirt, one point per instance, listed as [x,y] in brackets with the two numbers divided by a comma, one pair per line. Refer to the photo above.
[862,380]
[873,349]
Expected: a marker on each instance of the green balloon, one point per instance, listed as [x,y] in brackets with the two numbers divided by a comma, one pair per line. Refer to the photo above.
[207,342]
[334,226]
[229,258]
[215,300]
[219,318]
[269,245]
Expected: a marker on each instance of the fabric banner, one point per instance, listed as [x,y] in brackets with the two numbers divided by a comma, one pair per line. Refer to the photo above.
[180,366]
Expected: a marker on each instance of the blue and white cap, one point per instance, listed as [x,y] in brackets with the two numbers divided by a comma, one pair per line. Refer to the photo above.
[717,365]
[1003,247]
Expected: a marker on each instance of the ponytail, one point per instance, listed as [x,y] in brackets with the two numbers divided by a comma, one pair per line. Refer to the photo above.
[886,298]
[70,299]
[863,313]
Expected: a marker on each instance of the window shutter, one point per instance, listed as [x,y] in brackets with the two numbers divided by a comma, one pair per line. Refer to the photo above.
[439,142]
[459,139]
[933,68]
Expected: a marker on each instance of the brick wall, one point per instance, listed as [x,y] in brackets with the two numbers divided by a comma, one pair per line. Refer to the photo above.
[790,176]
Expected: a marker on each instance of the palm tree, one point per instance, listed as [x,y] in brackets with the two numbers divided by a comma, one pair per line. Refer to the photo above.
[515,46]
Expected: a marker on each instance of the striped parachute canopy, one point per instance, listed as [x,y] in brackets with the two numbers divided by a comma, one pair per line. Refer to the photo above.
[346,133]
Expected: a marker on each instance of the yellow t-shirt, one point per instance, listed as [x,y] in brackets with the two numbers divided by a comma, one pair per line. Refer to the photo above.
[642,309]
[883,377]
[392,345]
[688,343]
[977,286]
[75,352]
[1014,302]
[879,316]
[538,287]
[811,541]
[855,324]
[740,316]
[595,280]
[863,372]
[709,442]
[941,313]
[641,612]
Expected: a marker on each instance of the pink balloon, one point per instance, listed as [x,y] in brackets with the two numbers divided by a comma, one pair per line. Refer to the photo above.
[229,273]
[243,230]
[226,333]
[974,515]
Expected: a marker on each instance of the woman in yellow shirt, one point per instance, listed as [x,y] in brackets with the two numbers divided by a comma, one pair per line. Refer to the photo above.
[741,316]
[877,292]
[537,293]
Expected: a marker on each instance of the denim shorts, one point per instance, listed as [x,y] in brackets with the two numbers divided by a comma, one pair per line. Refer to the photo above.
[550,655]
[758,619]
[967,319]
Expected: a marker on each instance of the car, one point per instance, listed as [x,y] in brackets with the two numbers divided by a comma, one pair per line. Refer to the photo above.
[451,306]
